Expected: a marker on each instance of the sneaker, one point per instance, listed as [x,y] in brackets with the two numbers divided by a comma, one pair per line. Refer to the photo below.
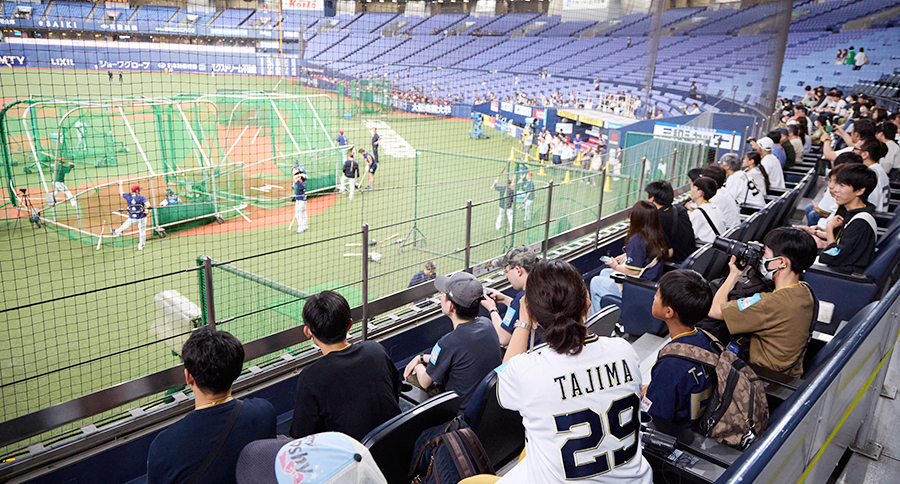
[141,247]
[298,231]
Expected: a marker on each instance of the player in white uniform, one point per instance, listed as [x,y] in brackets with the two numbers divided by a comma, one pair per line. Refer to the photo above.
[580,411]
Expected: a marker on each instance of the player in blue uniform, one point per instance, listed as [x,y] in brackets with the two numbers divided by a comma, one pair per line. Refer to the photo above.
[137,213]
[376,140]
[371,166]
[344,145]
[171,198]
[299,174]
[341,139]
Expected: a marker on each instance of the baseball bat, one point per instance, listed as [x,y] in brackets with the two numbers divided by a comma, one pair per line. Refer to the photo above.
[244,215]
[292,221]
[391,237]
[100,239]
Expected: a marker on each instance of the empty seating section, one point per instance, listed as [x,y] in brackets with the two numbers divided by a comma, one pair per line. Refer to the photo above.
[832,14]
[69,10]
[261,20]
[100,13]
[433,50]
[232,17]
[371,22]
[203,18]
[373,50]
[642,26]
[510,22]
[291,23]
[436,24]
[477,53]
[349,45]
[344,20]
[321,42]
[153,13]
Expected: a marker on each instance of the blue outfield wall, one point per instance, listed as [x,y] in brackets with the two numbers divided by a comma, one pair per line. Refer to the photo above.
[122,57]
[147,27]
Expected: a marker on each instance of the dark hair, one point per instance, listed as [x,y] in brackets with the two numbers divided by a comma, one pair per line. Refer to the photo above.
[716,173]
[757,161]
[687,293]
[875,148]
[213,358]
[661,192]
[645,221]
[865,128]
[793,129]
[694,173]
[802,108]
[798,246]
[464,312]
[857,176]
[707,186]
[775,136]
[889,130]
[848,157]
[327,314]
[556,297]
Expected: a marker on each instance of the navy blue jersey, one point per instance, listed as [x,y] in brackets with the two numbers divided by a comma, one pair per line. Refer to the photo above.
[464,356]
[299,191]
[679,389]
[375,139]
[371,159]
[136,204]
[351,168]
[341,140]
[420,278]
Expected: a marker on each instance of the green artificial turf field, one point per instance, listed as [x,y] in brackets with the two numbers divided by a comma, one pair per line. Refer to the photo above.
[54,347]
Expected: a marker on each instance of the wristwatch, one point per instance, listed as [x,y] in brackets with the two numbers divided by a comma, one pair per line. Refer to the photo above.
[494,311]
[422,360]
[520,324]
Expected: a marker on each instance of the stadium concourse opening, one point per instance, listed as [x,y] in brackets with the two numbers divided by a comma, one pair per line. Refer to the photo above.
[409,133]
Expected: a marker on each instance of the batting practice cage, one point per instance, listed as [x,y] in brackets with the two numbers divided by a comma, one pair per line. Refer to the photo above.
[198,158]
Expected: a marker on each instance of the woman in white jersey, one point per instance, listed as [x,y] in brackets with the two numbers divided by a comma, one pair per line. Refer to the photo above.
[579,397]
[757,172]
[739,184]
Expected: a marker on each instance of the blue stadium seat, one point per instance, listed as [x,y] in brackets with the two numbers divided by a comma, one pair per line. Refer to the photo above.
[815,363]
[500,430]
[391,443]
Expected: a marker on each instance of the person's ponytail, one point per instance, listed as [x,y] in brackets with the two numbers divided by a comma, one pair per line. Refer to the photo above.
[556,298]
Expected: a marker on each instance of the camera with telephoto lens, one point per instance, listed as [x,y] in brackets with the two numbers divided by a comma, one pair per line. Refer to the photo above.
[746,254]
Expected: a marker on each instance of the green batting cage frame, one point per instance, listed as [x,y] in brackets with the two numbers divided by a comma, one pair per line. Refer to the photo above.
[216,152]
[369,96]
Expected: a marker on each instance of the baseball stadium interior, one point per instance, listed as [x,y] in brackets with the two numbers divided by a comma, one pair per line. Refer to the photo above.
[175,169]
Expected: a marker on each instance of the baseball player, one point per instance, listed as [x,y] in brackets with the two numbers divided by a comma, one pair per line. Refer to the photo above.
[171,198]
[376,140]
[527,139]
[299,174]
[350,174]
[59,183]
[528,188]
[138,205]
[507,198]
[371,166]
[342,142]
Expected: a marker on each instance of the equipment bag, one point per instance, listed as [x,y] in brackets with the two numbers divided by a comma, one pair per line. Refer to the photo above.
[737,412]
[447,454]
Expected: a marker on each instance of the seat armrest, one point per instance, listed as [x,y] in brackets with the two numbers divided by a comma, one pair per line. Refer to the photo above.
[824,270]
[626,279]
[776,377]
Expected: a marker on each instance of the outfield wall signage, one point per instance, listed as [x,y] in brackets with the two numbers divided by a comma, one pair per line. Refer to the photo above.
[723,139]
[303,5]
[12,61]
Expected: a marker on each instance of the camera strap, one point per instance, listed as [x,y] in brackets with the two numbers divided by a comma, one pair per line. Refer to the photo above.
[709,221]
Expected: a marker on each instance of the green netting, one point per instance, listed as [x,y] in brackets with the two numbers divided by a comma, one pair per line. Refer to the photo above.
[370,96]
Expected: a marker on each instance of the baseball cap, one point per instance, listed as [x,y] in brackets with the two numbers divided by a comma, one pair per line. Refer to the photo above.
[341,132]
[462,288]
[519,256]
[135,188]
[765,143]
[325,458]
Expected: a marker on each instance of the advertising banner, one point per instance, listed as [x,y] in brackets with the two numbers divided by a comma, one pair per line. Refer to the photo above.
[303,5]
[723,139]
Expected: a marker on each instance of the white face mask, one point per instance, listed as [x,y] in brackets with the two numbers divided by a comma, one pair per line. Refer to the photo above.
[764,268]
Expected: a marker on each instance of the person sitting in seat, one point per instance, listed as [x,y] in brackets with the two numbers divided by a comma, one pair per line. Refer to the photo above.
[461,358]
[579,395]
[352,388]
[707,220]
[645,253]
[769,161]
[739,184]
[723,199]
[776,325]
[674,219]
[850,234]
[679,389]
[517,263]
[212,361]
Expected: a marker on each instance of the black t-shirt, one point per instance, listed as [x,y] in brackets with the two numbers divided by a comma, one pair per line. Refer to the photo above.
[678,231]
[178,451]
[350,391]
[854,246]
[462,357]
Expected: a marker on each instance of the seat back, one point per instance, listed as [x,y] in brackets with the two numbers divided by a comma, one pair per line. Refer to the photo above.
[755,224]
[719,259]
[700,260]
[825,354]
[636,317]
[884,266]
[500,430]
[772,217]
[391,443]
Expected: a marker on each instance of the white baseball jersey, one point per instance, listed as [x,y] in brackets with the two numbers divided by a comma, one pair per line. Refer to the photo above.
[728,206]
[744,189]
[581,414]
[881,195]
[773,169]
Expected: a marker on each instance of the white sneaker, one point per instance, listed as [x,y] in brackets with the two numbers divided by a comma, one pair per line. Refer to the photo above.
[141,247]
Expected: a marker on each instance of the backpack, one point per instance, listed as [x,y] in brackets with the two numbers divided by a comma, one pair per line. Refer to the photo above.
[737,412]
[447,454]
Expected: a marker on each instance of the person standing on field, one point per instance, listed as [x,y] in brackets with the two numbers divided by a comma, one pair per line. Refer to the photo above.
[137,213]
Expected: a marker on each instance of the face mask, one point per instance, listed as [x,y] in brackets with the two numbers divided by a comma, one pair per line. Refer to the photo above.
[764,268]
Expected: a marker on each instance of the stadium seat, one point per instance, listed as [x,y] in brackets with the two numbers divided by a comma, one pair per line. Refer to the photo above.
[635,303]
[500,430]
[815,362]
[851,292]
[391,443]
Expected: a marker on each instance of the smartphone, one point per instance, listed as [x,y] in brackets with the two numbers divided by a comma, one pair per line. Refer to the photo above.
[829,128]
[606,259]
